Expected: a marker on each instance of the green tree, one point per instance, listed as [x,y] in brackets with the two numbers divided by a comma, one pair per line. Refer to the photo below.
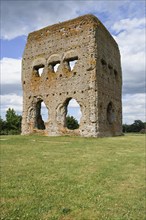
[13,122]
[3,127]
[125,128]
[137,126]
[71,123]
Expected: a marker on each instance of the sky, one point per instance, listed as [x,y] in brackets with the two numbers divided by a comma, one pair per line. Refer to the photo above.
[125,20]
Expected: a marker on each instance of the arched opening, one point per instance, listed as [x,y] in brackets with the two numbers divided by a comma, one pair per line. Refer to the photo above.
[38,69]
[53,66]
[73,114]
[116,75]
[41,115]
[110,113]
[56,67]
[70,63]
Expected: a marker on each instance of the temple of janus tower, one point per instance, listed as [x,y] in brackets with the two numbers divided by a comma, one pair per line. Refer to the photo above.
[95,81]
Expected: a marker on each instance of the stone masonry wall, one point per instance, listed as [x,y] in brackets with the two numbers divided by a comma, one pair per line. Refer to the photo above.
[95,80]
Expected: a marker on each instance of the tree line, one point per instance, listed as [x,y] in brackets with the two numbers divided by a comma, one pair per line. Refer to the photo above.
[12,124]
[137,126]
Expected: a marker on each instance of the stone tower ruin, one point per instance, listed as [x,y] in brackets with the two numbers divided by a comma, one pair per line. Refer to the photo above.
[95,82]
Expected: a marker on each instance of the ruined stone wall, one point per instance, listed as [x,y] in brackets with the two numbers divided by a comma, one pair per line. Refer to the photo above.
[95,81]
[109,84]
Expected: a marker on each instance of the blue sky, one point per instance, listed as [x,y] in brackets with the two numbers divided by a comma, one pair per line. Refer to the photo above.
[13,48]
[124,19]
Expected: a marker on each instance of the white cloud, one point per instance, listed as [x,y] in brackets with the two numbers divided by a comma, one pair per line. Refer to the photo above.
[11,101]
[134,107]
[73,104]
[130,36]
[10,71]
[129,24]
[131,40]
[10,85]
[79,115]
[21,17]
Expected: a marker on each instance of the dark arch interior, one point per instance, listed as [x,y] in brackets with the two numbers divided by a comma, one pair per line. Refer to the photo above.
[41,115]
[110,113]
[38,69]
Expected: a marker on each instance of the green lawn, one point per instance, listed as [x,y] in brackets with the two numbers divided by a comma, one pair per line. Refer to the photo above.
[73,178]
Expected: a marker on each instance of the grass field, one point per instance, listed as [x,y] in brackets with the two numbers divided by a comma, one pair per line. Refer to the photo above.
[72,178]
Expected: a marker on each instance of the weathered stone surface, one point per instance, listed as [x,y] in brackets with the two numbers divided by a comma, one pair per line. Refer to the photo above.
[95,81]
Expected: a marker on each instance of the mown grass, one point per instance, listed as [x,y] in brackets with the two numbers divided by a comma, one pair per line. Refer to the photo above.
[72,178]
